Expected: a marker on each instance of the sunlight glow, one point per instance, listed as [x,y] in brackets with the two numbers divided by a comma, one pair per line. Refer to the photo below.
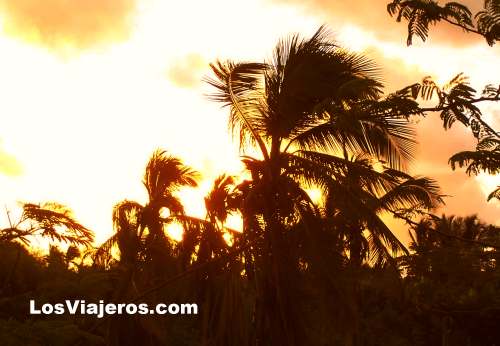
[82,125]
[355,39]
[175,231]
[234,222]
[315,194]
[488,184]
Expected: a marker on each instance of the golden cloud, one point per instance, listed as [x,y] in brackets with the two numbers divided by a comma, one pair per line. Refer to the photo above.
[9,165]
[187,72]
[67,24]
[436,146]
[372,16]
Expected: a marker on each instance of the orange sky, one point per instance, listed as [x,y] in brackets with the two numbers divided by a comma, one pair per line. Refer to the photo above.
[89,89]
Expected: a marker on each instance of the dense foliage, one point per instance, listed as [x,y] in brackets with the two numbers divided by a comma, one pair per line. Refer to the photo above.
[446,292]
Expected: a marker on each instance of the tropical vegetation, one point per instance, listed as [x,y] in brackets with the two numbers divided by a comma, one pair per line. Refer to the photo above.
[300,271]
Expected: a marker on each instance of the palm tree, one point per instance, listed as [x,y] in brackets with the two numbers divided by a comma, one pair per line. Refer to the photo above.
[362,194]
[140,229]
[204,239]
[310,103]
[221,287]
[147,254]
[221,200]
[451,247]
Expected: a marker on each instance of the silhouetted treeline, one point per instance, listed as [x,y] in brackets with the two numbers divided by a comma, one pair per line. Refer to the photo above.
[446,293]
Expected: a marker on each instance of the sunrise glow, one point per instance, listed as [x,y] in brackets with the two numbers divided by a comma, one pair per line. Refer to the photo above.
[82,113]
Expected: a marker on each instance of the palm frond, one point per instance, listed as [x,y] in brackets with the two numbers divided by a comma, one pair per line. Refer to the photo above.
[305,75]
[379,229]
[171,202]
[355,206]
[56,222]
[378,253]
[127,223]
[240,86]
[201,240]
[413,194]
[358,130]
[103,255]
[220,200]
[360,170]
[165,174]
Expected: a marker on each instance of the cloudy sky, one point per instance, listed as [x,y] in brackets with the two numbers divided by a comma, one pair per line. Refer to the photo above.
[88,89]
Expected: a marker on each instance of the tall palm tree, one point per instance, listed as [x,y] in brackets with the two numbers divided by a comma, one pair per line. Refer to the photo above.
[140,229]
[146,252]
[311,103]
[221,287]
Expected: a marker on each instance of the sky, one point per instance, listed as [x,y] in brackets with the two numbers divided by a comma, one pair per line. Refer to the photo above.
[88,89]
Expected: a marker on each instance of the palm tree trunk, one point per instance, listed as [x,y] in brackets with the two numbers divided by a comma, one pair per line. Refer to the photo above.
[274,320]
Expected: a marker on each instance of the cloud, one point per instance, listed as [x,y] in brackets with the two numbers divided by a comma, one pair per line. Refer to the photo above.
[9,165]
[187,72]
[467,197]
[67,24]
[372,16]
[436,146]
[396,73]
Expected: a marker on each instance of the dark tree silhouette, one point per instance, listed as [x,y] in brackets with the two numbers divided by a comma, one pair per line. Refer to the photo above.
[311,102]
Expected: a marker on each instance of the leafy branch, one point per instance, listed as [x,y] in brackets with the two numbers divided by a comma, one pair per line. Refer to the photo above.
[420,14]
[458,101]
[48,220]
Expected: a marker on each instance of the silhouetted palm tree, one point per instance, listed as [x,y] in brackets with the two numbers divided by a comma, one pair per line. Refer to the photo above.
[140,230]
[359,197]
[146,252]
[310,103]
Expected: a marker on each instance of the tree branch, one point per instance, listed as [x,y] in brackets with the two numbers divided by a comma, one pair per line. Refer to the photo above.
[480,99]
[471,30]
